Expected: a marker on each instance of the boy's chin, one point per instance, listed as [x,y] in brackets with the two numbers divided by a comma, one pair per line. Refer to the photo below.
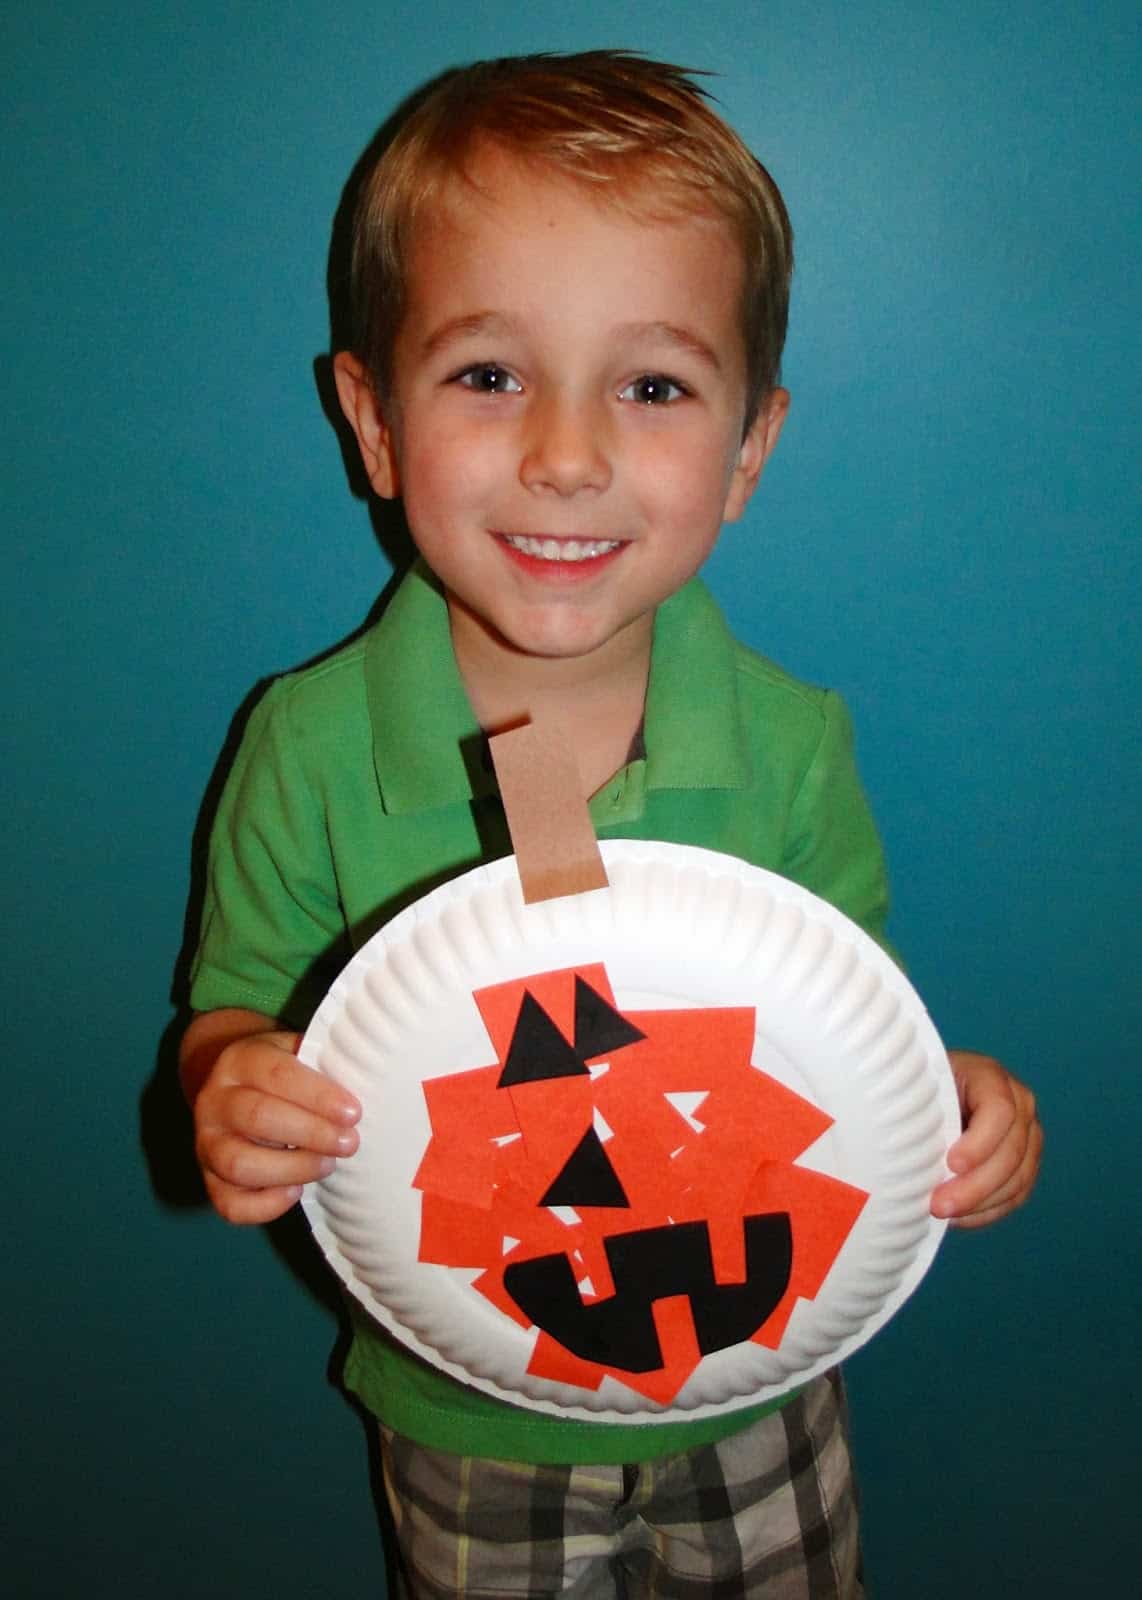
[548,634]
[548,645]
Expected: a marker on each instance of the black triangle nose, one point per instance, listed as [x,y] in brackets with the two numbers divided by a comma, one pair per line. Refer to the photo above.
[587,1178]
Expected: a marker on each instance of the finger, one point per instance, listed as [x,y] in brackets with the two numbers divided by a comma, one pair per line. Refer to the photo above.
[244,1165]
[990,1111]
[999,1206]
[250,1205]
[265,1119]
[979,1219]
[962,1212]
[279,1073]
[964,1205]
[965,1192]
[267,1063]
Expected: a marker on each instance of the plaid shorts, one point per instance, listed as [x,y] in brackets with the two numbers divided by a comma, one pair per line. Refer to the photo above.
[770,1511]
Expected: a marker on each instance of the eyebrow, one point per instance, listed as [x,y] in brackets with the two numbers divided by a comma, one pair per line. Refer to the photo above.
[494,323]
[476,324]
[683,339]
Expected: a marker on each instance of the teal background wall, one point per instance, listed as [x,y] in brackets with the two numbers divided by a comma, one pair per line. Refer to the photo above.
[948,535]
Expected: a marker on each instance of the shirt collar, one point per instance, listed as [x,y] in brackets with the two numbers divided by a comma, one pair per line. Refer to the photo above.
[426,739]
[427,745]
[694,737]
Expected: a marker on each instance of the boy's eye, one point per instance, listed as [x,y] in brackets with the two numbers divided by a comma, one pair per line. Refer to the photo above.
[487,378]
[653,389]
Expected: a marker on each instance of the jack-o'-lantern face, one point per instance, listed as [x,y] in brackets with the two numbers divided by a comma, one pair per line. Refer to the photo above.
[626,1181]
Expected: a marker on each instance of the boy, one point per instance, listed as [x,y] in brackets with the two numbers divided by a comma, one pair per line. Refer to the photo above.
[570,290]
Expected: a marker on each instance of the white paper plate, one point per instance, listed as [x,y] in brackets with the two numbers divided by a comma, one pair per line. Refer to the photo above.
[835,1021]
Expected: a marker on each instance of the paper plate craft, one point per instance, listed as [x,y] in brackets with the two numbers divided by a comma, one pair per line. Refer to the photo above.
[655,1150]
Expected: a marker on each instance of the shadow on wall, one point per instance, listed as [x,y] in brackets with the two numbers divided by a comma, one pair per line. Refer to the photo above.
[165,1126]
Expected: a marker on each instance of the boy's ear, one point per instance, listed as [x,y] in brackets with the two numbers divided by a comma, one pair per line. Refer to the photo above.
[358,400]
[756,449]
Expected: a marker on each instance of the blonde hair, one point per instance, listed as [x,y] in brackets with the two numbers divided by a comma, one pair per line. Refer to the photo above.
[638,132]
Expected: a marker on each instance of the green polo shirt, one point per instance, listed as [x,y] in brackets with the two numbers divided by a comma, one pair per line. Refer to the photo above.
[361,783]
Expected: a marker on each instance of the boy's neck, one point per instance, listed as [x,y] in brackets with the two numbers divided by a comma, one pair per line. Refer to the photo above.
[597,700]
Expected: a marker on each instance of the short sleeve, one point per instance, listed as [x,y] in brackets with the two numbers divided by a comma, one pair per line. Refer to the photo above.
[832,845]
[273,933]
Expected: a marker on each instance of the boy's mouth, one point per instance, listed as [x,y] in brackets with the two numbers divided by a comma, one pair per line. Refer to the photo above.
[549,549]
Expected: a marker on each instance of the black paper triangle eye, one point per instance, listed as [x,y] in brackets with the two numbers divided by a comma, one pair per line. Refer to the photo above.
[599,1028]
[538,1050]
[587,1178]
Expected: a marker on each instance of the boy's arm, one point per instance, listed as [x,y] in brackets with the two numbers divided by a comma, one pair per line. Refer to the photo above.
[265,1124]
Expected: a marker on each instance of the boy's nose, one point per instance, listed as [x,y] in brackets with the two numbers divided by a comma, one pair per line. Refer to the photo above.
[566,448]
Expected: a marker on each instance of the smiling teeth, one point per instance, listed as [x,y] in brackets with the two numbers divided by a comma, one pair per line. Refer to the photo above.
[561,549]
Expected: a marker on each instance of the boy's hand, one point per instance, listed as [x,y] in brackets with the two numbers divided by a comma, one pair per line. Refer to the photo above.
[264,1123]
[996,1160]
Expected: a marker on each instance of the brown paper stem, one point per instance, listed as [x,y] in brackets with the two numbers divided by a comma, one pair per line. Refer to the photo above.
[551,832]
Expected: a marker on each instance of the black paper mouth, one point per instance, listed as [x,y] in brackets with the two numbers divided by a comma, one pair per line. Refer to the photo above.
[654,1264]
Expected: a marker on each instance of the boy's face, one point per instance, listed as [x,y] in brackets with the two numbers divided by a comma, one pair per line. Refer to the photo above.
[566,415]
